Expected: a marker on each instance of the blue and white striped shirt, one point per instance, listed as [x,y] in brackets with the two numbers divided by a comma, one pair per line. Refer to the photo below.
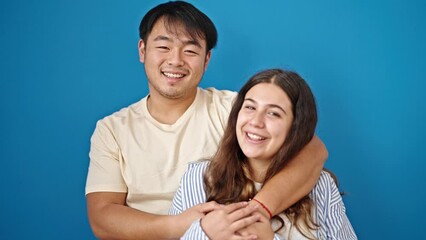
[329,213]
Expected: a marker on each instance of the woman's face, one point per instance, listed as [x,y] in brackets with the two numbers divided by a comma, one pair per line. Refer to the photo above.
[263,122]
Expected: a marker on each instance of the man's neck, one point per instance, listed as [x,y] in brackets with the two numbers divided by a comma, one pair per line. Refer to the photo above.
[168,111]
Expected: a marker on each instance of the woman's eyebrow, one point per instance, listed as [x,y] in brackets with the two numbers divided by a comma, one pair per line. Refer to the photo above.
[268,105]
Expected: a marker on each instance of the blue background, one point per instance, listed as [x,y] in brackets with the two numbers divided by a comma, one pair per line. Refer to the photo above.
[66,64]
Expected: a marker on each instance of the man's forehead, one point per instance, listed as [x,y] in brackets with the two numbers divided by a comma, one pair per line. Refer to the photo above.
[175,29]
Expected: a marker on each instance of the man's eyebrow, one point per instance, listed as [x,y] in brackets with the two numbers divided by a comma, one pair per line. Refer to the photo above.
[162,38]
[188,42]
[193,42]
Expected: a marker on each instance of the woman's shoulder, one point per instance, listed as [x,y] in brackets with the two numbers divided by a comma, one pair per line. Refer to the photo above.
[196,169]
[326,188]
[200,164]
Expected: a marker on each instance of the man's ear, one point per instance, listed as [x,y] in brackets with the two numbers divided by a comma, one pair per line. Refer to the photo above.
[141,48]
[207,60]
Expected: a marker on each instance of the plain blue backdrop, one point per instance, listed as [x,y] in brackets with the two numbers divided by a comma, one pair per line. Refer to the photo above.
[66,64]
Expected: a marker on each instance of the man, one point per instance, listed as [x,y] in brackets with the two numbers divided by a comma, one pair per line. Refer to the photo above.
[138,154]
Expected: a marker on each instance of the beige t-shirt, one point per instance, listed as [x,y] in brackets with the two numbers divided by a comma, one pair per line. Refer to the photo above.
[132,152]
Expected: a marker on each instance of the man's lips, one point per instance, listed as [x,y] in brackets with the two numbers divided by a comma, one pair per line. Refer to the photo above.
[173,75]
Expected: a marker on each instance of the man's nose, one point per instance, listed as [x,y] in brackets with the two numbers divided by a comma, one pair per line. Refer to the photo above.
[175,58]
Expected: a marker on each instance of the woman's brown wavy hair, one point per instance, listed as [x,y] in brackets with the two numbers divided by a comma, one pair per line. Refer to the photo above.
[227,177]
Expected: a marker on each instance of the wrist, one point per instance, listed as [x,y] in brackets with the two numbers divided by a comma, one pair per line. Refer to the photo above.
[262,208]
[176,226]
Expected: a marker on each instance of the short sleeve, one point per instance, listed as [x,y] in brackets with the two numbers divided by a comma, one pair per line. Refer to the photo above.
[177,207]
[334,222]
[104,174]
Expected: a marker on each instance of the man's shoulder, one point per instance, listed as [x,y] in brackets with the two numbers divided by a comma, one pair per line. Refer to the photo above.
[217,98]
[213,92]
[131,111]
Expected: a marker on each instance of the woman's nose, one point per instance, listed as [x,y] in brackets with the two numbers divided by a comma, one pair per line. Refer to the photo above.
[257,119]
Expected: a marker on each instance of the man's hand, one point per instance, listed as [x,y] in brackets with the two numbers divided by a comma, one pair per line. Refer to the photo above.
[225,222]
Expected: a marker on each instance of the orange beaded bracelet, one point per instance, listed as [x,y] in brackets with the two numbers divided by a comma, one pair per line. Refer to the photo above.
[264,207]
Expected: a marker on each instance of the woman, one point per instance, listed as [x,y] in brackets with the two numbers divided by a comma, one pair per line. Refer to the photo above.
[272,119]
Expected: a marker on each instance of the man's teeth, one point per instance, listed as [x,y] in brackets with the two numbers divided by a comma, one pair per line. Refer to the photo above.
[254,137]
[173,75]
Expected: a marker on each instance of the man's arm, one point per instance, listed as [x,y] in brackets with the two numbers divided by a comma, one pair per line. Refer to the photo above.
[109,215]
[296,180]
[110,218]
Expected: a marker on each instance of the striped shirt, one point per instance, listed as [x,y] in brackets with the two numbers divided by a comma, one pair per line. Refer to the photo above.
[329,210]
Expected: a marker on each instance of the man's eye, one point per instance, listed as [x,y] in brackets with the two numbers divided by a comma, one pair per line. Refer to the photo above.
[190,52]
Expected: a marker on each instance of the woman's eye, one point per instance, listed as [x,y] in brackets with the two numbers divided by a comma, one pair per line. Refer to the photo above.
[274,114]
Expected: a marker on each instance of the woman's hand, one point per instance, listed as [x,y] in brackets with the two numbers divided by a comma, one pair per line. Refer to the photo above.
[262,229]
[227,221]
[183,221]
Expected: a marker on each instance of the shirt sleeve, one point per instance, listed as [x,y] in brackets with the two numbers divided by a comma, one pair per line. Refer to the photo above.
[104,174]
[334,222]
[277,237]
[190,193]
[177,207]
[338,223]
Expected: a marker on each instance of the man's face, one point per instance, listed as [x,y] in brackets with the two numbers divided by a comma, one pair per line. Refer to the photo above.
[174,62]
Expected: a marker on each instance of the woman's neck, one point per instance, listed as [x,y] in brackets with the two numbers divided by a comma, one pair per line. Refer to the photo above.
[258,169]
